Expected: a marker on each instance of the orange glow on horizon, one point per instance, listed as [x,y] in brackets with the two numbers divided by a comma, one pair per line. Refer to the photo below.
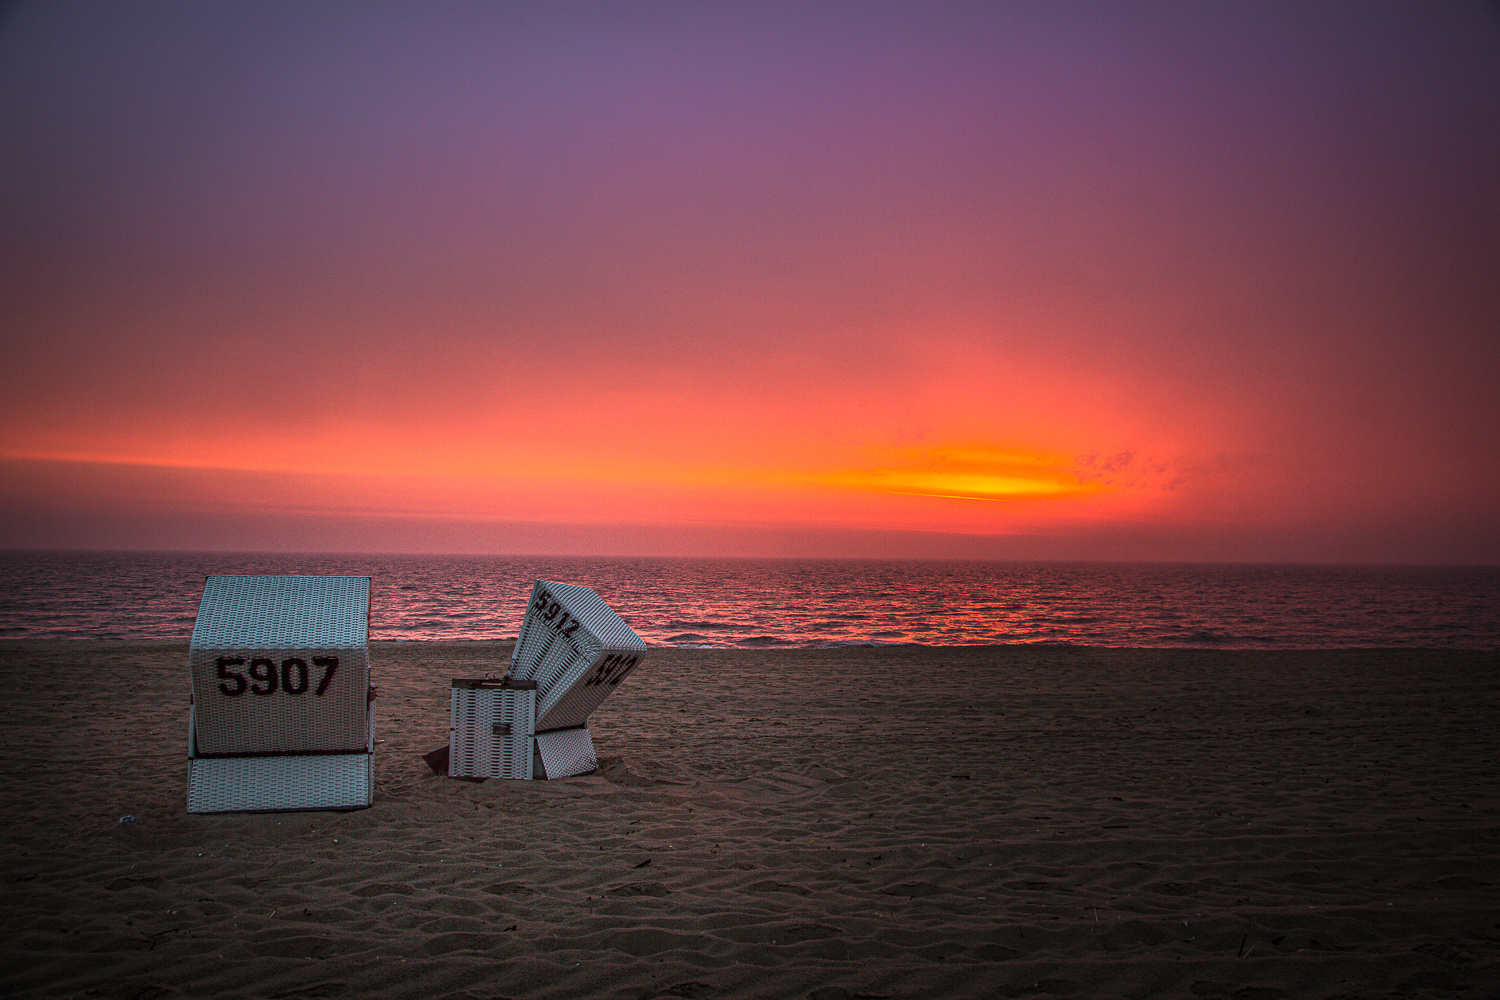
[893,489]
[969,474]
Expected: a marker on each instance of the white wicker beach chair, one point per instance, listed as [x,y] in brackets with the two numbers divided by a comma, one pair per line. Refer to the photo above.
[572,652]
[281,716]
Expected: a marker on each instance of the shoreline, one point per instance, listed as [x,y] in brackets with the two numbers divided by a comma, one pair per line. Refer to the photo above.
[894,821]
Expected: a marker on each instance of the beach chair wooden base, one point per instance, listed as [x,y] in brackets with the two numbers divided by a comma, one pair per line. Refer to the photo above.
[563,753]
[282,782]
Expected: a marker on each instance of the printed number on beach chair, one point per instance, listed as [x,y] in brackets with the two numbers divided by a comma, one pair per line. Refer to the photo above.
[281,715]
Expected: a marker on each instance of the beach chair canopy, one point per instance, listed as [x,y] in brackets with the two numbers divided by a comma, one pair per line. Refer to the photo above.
[576,649]
[280,664]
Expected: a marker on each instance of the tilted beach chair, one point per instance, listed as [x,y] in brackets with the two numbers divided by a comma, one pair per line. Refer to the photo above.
[281,715]
[572,652]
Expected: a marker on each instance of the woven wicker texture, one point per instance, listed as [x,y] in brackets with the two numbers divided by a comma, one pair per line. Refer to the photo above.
[280,665]
[570,701]
[576,649]
[566,752]
[489,732]
[284,612]
[251,784]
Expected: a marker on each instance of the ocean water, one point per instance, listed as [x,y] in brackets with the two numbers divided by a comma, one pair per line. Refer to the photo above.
[799,603]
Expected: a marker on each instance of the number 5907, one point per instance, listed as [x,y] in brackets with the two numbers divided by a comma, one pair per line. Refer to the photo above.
[292,675]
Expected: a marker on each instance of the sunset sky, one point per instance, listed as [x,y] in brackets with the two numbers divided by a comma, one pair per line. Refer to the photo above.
[1069,280]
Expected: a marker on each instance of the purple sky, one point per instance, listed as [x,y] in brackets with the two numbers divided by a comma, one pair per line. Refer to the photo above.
[1075,280]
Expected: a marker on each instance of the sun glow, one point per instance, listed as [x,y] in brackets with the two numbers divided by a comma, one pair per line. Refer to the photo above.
[968,474]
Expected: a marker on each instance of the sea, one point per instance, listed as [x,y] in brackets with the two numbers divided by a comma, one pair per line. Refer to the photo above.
[797,603]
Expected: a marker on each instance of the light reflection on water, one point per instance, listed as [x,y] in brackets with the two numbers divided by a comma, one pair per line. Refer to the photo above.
[799,603]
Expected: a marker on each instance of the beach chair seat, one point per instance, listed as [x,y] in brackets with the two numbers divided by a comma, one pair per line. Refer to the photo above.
[572,652]
[281,716]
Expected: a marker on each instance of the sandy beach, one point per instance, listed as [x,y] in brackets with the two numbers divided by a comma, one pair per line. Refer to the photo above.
[873,823]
